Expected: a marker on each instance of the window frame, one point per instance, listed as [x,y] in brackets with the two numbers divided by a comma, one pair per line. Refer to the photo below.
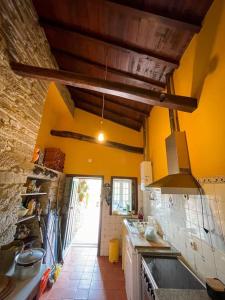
[134,194]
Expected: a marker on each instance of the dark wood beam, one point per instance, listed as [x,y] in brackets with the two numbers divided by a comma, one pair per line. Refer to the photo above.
[120,7]
[108,41]
[124,109]
[90,139]
[137,94]
[62,56]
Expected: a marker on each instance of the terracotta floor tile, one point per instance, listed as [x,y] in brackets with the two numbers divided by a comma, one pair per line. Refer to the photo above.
[97,285]
[84,284]
[98,276]
[87,277]
[88,269]
[69,283]
[113,284]
[114,276]
[116,295]
[81,294]
[97,295]
[61,293]
[75,275]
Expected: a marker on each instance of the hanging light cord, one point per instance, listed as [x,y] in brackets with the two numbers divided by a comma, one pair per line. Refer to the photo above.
[103,97]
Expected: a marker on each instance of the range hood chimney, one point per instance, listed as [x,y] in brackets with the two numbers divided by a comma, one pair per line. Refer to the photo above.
[180,179]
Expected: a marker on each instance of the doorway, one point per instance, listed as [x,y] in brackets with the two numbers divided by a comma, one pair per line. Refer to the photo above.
[86,196]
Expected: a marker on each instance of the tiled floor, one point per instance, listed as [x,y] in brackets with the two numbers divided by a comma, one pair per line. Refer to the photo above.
[86,276]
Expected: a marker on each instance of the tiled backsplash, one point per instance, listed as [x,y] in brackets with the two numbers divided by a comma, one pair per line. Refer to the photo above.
[181,218]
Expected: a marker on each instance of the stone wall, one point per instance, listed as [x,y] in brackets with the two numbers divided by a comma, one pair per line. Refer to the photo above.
[21,104]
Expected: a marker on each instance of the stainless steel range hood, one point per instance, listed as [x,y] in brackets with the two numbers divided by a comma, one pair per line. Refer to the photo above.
[180,179]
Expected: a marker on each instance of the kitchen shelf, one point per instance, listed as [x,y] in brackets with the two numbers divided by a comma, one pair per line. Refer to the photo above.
[33,194]
[25,218]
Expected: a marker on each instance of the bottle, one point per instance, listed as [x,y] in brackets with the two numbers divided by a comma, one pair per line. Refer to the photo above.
[140,215]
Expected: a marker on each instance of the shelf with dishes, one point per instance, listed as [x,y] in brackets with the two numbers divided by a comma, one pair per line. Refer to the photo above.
[33,194]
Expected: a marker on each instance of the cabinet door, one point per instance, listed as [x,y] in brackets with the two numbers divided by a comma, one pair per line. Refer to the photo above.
[124,235]
[128,276]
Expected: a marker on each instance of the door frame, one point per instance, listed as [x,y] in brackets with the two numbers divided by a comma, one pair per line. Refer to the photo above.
[101,204]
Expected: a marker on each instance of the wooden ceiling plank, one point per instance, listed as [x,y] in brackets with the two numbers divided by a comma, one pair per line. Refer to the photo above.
[182,103]
[108,41]
[138,106]
[60,54]
[142,112]
[154,17]
[109,106]
[132,124]
[90,139]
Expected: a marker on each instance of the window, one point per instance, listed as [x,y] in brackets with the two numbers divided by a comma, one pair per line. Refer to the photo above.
[124,195]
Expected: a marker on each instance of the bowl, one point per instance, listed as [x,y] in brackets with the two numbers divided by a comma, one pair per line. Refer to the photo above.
[22,212]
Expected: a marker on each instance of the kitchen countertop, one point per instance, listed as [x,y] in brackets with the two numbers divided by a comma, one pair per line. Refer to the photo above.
[148,249]
[167,294]
[172,294]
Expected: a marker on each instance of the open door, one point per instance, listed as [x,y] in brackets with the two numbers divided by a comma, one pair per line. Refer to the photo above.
[69,209]
[82,212]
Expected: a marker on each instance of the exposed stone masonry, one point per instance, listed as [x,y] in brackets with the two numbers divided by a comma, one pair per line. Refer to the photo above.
[21,104]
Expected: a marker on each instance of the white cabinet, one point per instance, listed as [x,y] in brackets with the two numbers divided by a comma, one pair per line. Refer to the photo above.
[128,270]
[132,271]
[128,275]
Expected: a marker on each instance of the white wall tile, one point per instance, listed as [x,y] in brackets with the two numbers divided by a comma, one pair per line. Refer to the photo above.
[182,222]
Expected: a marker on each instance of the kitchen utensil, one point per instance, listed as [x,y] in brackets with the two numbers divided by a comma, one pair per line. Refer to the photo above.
[35,154]
[7,255]
[22,211]
[44,282]
[28,263]
[150,233]
[31,207]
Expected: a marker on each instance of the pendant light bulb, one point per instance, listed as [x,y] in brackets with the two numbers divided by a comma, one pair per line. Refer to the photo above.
[101,137]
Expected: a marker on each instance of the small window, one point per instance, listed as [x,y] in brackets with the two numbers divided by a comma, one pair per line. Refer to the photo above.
[124,195]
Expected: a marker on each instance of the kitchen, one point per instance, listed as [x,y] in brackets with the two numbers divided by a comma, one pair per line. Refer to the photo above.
[129,92]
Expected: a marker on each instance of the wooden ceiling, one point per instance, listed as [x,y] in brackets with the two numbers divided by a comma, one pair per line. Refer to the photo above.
[140,40]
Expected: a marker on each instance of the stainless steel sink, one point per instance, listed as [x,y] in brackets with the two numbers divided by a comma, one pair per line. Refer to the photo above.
[171,273]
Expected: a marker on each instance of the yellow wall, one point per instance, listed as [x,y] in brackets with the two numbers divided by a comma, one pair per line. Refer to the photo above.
[104,160]
[201,74]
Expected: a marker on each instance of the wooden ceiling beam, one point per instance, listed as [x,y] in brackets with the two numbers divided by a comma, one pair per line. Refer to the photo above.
[61,55]
[127,9]
[115,108]
[108,41]
[182,103]
[143,113]
[90,139]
